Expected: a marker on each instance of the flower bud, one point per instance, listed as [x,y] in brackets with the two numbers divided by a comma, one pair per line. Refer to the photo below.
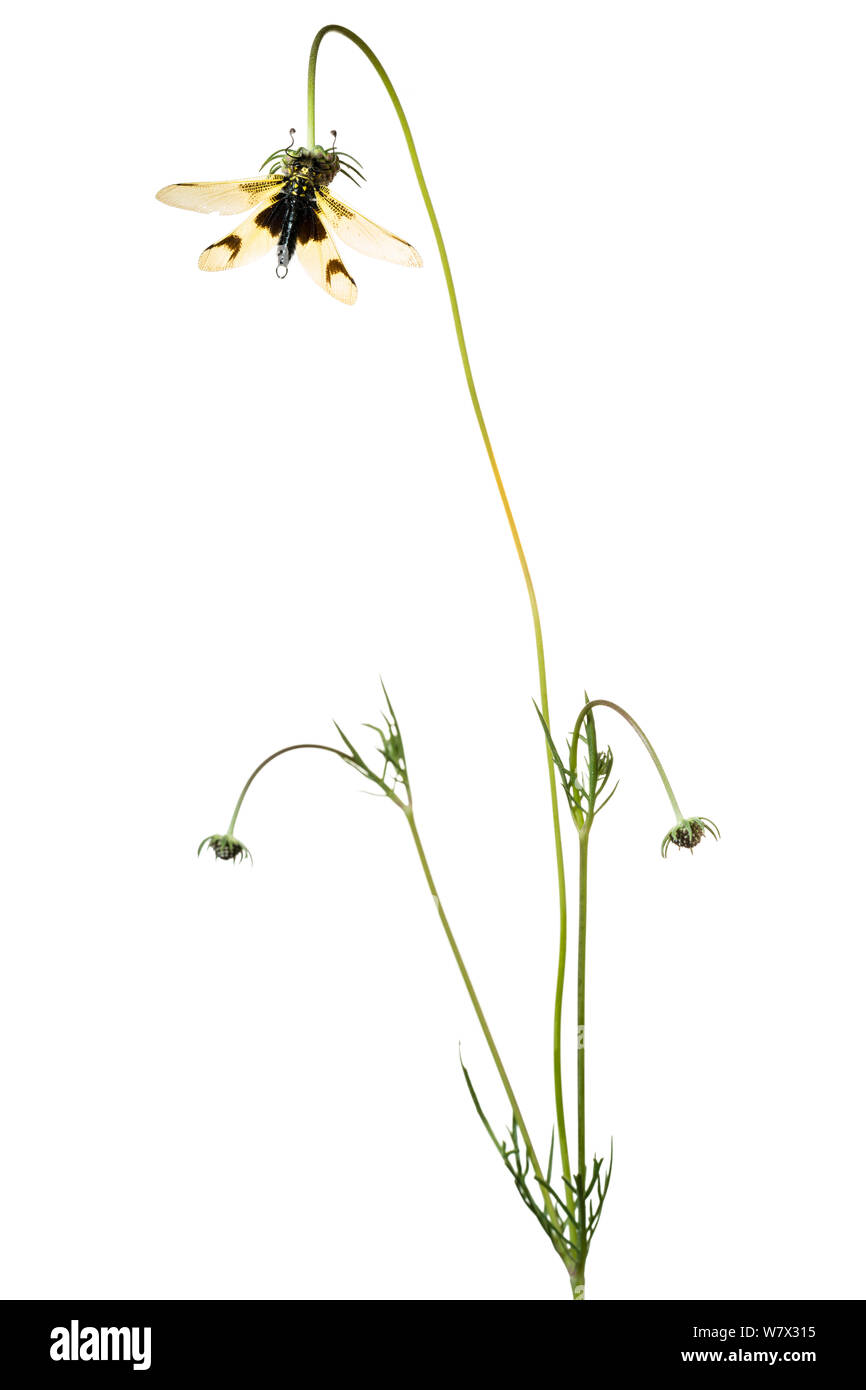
[226,847]
[688,833]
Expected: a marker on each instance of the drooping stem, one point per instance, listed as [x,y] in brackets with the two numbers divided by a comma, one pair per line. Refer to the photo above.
[476,1003]
[643,738]
[292,748]
[479,1012]
[512,525]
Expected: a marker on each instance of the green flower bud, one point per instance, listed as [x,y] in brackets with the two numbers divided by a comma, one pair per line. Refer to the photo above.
[226,847]
[688,833]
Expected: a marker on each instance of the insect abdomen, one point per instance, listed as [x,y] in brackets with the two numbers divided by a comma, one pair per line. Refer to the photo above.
[289,234]
[279,218]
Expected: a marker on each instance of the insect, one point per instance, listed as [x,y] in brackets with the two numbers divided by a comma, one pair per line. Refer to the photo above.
[294,212]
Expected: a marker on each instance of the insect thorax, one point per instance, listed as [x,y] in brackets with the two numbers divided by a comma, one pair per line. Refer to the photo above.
[307,170]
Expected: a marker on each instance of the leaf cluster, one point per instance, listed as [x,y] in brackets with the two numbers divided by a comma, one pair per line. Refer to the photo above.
[393,774]
[583,786]
[568,1224]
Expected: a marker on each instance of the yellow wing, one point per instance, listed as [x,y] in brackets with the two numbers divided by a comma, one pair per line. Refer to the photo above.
[253,238]
[232,196]
[362,234]
[321,260]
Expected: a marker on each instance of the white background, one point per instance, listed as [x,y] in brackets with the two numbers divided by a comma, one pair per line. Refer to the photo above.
[230,504]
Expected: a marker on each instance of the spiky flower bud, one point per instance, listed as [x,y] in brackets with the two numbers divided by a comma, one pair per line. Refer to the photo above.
[688,833]
[226,847]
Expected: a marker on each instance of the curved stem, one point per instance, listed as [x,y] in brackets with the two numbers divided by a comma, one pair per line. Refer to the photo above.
[476,1003]
[643,738]
[321,747]
[512,525]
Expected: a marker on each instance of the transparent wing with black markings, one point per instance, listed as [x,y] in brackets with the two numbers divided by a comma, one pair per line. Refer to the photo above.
[362,234]
[321,260]
[251,239]
[231,196]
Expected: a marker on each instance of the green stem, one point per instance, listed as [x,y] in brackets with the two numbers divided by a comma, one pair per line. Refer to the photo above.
[479,1012]
[512,525]
[581,1040]
[407,812]
[644,740]
[578,1275]
[321,747]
